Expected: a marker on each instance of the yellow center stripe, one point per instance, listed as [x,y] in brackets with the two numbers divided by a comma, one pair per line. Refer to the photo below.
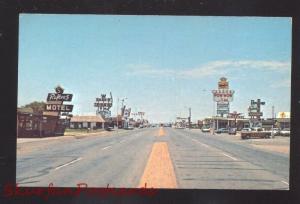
[161,132]
[159,171]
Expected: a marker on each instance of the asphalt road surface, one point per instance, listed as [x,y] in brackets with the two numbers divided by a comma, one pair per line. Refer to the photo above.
[195,160]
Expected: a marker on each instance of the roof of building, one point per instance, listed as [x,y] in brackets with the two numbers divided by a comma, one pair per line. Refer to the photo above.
[85,118]
[25,110]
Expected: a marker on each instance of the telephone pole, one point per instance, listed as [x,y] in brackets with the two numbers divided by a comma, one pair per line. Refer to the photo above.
[190,110]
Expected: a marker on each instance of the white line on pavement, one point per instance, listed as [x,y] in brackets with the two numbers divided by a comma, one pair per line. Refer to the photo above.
[229,156]
[205,145]
[285,182]
[107,147]
[71,162]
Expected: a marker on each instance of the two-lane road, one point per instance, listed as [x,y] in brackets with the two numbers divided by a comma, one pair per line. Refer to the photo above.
[161,157]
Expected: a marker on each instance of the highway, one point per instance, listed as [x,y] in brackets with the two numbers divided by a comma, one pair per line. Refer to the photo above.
[161,157]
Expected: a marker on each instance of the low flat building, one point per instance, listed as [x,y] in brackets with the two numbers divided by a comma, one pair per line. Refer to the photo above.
[222,122]
[82,122]
[31,124]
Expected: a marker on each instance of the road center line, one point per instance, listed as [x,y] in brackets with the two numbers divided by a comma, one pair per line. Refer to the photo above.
[285,182]
[159,171]
[235,159]
[107,147]
[71,162]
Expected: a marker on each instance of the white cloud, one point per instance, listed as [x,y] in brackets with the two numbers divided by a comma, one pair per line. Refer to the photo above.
[286,83]
[211,68]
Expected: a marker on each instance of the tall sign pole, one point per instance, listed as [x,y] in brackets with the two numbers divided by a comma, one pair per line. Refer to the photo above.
[103,105]
[223,96]
[254,111]
[55,104]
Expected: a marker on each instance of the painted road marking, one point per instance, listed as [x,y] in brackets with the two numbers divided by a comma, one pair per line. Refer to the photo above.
[204,145]
[71,162]
[161,132]
[159,171]
[285,182]
[107,147]
[231,157]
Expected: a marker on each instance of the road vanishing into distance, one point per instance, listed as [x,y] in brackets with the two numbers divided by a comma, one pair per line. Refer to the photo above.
[161,157]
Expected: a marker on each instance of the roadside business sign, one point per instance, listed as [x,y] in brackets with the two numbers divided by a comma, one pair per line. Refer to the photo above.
[59,108]
[223,83]
[59,97]
[222,112]
[223,95]
[222,106]
[255,114]
[55,101]
[127,113]
[283,115]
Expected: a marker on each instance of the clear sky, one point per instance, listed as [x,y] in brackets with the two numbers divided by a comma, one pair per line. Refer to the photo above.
[162,64]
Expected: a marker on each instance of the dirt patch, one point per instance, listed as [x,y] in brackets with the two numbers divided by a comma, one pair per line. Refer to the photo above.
[159,171]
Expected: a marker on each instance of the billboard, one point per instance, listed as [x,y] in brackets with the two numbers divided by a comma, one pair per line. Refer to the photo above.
[55,101]
[283,115]
[222,108]
[223,95]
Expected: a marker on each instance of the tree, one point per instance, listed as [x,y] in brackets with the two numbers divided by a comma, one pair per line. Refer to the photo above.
[37,107]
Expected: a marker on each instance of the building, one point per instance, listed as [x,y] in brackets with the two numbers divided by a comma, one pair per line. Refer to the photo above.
[92,122]
[30,124]
[218,122]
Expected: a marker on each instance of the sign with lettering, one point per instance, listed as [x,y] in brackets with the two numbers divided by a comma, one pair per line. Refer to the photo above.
[223,95]
[59,97]
[59,107]
[283,115]
[255,114]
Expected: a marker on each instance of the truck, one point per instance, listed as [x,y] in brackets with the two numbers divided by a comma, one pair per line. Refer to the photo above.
[256,132]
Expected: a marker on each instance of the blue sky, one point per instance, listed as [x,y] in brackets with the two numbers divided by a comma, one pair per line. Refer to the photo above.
[162,64]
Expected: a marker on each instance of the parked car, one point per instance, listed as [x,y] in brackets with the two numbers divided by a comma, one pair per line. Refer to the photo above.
[205,129]
[232,131]
[285,132]
[222,130]
[109,128]
[275,131]
[246,129]
[256,132]
[129,128]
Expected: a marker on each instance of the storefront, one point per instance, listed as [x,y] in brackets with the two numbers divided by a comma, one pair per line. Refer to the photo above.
[85,122]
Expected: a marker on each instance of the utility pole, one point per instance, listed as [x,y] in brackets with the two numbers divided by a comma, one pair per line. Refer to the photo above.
[122,109]
[272,133]
[118,113]
[189,118]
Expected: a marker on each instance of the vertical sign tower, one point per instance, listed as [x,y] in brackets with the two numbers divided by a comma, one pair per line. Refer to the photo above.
[103,104]
[223,96]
